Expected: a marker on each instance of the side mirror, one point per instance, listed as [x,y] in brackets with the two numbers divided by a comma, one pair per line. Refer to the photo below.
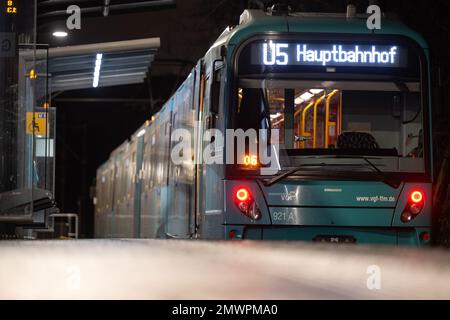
[214,94]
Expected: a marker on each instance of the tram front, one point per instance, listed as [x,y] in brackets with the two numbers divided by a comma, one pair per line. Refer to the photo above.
[352,118]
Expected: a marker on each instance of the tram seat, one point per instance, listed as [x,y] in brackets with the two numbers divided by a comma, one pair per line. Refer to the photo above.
[357,140]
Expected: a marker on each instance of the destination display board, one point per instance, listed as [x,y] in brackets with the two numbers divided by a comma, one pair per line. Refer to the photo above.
[330,57]
[274,53]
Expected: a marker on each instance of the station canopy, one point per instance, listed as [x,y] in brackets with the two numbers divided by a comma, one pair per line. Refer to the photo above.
[118,63]
[113,63]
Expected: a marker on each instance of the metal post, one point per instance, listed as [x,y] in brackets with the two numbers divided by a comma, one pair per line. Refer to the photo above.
[289,106]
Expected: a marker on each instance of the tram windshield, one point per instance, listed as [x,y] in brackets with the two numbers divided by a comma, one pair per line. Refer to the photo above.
[334,113]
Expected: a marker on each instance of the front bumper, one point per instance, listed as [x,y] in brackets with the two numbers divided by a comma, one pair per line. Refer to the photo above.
[373,236]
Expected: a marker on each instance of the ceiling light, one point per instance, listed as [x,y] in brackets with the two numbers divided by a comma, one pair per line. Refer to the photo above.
[98,64]
[306,96]
[60,34]
[299,101]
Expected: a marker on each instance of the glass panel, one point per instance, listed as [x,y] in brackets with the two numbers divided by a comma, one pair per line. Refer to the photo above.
[335,102]
[350,118]
[26,118]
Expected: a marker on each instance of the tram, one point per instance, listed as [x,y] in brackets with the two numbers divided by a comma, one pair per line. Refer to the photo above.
[351,108]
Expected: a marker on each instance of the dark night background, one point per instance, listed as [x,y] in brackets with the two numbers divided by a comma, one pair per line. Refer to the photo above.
[88,129]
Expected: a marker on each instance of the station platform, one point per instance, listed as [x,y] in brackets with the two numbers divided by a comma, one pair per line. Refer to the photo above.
[169,269]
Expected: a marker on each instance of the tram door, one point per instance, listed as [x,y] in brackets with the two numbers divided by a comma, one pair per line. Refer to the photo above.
[199,96]
[181,174]
[138,186]
[209,186]
[203,101]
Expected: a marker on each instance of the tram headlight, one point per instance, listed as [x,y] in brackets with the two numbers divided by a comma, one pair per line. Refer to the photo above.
[246,204]
[414,207]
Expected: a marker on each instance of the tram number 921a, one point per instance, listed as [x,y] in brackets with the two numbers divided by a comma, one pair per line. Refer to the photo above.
[283,216]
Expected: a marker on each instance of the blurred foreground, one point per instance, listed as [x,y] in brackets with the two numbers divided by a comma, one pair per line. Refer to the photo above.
[165,269]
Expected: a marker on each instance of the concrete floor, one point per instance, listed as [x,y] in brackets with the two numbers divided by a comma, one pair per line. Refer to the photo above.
[167,269]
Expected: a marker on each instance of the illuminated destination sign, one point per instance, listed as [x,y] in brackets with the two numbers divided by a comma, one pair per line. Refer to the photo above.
[11,7]
[328,55]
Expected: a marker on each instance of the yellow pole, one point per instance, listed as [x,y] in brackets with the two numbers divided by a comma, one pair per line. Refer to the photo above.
[303,123]
[327,117]
[315,119]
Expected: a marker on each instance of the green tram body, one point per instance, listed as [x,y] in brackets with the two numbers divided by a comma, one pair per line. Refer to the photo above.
[141,193]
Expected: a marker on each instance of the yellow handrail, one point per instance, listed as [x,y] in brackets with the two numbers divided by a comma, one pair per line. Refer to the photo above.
[327,117]
[303,124]
[315,119]
[296,114]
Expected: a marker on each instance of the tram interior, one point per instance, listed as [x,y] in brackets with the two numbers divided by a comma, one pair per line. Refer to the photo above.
[378,118]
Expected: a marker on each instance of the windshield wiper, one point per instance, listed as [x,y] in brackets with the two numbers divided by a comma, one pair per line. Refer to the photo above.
[289,173]
[381,175]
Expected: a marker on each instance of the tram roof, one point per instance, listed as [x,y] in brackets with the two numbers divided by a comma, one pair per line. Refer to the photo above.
[256,21]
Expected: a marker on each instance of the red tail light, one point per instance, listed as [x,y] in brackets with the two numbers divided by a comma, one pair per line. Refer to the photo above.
[416,196]
[414,207]
[242,195]
[246,204]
